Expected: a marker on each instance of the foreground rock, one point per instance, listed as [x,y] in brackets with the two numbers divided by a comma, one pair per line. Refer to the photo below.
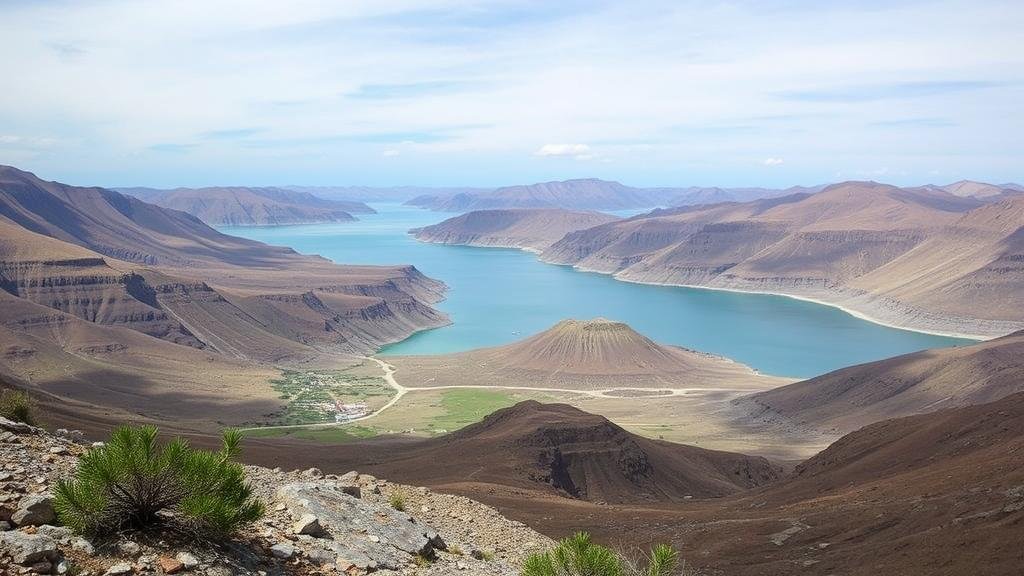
[358,533]
[315,524]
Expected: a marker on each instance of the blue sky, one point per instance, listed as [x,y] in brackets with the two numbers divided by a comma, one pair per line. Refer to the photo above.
[388,92]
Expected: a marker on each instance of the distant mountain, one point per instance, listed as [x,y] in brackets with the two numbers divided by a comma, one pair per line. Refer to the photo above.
[587,194]
[251,206]
[919,258]
[849,398]
[971,189]
[696,195]
[384,193]
[528,228]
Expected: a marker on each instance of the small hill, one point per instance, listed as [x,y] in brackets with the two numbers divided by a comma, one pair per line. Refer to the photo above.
[926,381]
[252,206]
[559,449]
[597,346]
[583,355]
[531,229]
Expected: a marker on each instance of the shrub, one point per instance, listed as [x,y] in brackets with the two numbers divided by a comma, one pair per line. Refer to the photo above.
[397,500]
[132,482]
[579,556]
[18,406]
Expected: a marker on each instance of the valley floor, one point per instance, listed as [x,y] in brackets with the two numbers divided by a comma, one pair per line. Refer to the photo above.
[423,406]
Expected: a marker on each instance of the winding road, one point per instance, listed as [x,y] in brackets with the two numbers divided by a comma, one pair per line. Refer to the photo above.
[400,391]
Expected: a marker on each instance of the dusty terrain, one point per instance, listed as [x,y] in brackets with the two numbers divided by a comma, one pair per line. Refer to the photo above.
[919,258]
[251,206]
[847,399]
[606,368]
[941,493]
[531,229]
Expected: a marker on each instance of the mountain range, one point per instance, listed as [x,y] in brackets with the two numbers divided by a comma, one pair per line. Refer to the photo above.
[595,194]
[251,206]
[103,292]
[918,258]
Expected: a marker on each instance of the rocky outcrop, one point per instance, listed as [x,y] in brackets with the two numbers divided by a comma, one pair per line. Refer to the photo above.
[315,524]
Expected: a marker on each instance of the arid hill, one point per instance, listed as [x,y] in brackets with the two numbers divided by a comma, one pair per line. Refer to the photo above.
[532,229]
[980,190]
[556,449]
[582,355]
[587,194]
[251,206]
[916,258]
[849,398]
[105,290]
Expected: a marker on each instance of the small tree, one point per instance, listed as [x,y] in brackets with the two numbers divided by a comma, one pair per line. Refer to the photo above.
[17,405]
[574,556]
[579,556]
[132,482]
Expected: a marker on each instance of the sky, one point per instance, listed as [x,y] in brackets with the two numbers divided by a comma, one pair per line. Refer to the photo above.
[471,93]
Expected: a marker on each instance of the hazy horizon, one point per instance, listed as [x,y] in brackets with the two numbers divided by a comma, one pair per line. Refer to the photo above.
[486,94]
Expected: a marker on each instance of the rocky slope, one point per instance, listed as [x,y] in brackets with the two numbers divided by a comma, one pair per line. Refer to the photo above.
[914,258]
[251,206]
[316,524]
[847,399]
[530,229]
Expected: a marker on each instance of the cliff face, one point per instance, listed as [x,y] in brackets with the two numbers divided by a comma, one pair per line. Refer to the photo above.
[532,229]
[920,259]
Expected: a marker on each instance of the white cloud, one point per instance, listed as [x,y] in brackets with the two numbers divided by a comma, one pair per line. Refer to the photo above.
[391,153]
[679,93]
[773,162]
[577,151]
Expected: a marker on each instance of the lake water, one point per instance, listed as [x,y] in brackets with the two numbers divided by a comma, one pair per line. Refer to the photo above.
[497,296]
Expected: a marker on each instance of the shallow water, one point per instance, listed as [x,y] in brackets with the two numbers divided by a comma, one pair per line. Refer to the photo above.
[497,296]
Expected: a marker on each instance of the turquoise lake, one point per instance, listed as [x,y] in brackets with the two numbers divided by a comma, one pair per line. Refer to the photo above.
[497,296]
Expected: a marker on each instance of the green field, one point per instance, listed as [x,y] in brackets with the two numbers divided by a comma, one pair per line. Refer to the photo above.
[463,407]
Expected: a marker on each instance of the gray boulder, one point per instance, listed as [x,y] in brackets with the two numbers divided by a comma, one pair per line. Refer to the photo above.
[34,510]
[364,534]
[309,525]
[27,549]
[282,550]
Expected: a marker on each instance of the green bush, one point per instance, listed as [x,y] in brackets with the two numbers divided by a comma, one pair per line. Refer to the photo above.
[397,500]
[18,406]
[579,556]
[132,482]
